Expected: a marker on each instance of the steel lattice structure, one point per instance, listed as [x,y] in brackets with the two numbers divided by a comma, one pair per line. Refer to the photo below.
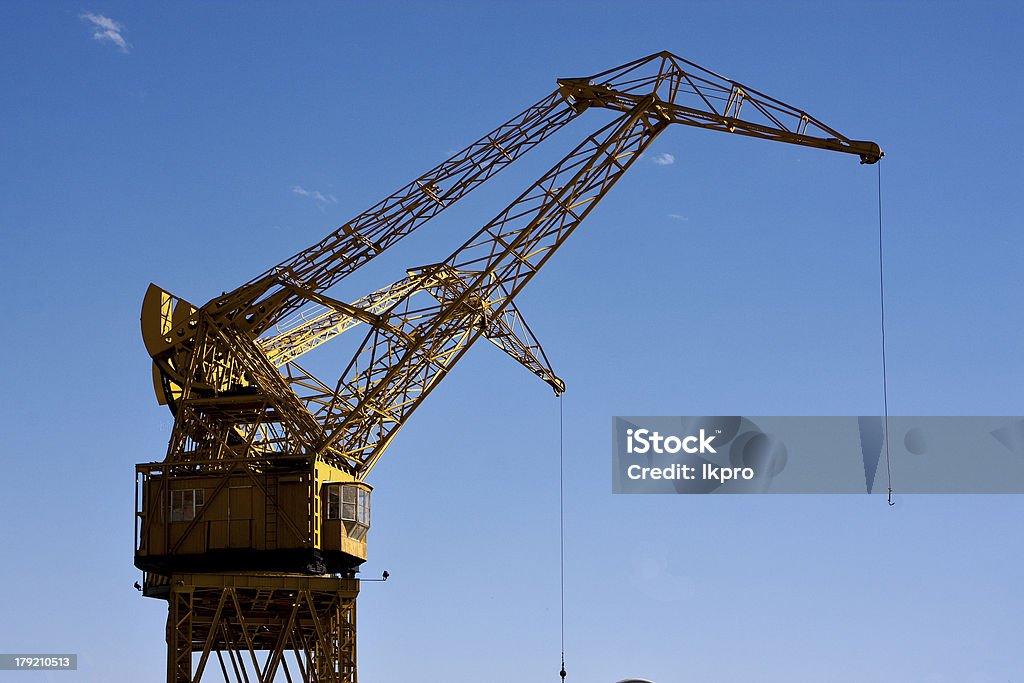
[246,410]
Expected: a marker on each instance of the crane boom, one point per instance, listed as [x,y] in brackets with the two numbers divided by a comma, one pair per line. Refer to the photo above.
[421,325]
[685,92]
[694,96]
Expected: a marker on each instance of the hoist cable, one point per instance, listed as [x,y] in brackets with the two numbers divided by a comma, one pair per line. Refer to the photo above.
[561,527]
[881,297]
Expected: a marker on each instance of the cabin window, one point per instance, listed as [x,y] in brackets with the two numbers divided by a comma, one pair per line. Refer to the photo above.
[185,503]
[355,505]
[350,503]
[333,502]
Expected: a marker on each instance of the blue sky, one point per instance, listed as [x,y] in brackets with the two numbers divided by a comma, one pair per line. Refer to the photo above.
[194,145]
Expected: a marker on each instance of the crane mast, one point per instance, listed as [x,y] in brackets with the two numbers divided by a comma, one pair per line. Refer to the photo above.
[254,524]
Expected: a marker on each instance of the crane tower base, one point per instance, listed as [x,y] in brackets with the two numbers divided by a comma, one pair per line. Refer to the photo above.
[257,626]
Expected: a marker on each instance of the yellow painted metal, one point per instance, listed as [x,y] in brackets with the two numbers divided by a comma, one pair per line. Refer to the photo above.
[261,441]
[259,627]
[235,508]
[248,341]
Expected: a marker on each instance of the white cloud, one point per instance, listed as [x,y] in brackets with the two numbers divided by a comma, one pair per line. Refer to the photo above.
[315,195]
[678,217]
[663,159]
[105,28]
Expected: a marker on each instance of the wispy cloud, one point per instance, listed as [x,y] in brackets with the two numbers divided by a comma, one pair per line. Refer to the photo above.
[663,159]
[320,198]
[678,217]
[106,29]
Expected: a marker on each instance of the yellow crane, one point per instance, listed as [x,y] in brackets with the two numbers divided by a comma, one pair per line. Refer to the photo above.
[253,526]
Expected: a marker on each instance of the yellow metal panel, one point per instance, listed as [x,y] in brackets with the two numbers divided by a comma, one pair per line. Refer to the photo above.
[241,517]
